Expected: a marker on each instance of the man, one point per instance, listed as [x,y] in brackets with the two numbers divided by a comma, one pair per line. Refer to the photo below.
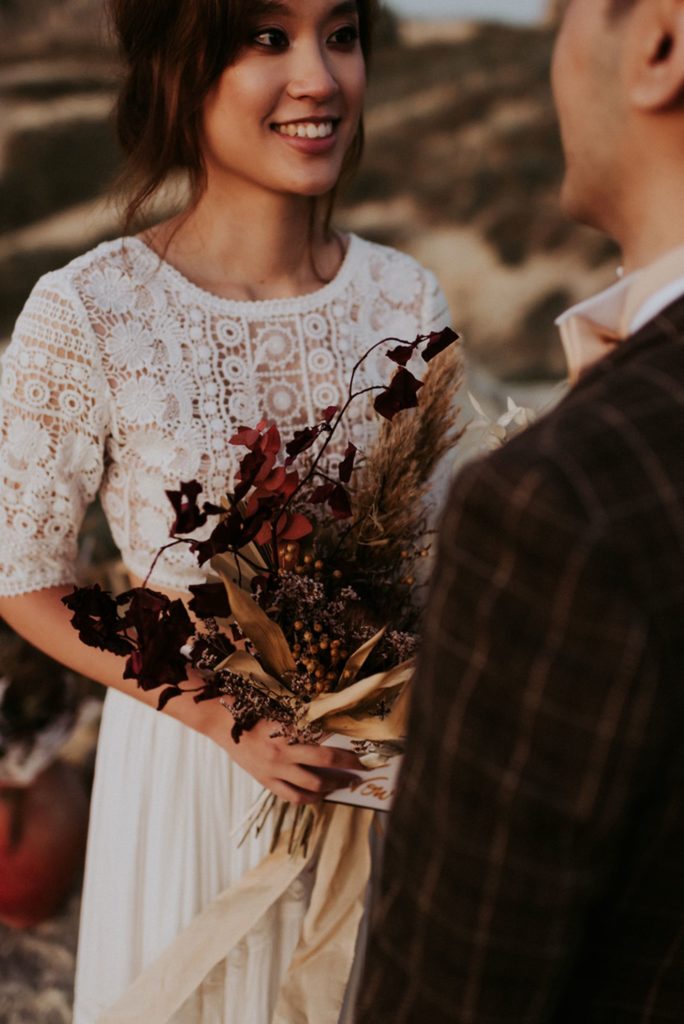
[535,862]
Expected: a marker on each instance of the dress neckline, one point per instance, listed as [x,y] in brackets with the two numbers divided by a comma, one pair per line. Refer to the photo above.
[263,307]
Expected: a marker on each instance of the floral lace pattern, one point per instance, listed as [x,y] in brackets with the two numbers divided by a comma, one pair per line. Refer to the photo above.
[124,378]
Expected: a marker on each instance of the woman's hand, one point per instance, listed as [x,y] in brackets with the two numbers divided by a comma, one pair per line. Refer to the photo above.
[301,773]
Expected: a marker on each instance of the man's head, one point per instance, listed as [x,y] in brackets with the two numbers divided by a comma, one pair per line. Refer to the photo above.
[618,78]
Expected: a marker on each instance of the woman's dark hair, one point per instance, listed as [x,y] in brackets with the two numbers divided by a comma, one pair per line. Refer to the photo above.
[174,53]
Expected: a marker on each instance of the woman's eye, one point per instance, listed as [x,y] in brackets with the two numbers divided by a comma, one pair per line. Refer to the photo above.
[347,36]
[270,39]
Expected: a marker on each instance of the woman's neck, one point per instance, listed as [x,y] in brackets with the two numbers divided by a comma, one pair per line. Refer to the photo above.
[263,248]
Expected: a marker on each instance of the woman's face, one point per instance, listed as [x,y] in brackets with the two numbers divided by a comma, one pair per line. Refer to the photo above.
[283,114]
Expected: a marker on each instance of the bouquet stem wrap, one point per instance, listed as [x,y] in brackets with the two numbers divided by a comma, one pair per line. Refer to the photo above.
[313,989]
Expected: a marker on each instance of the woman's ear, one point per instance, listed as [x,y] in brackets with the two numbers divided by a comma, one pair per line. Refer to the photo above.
[655,55]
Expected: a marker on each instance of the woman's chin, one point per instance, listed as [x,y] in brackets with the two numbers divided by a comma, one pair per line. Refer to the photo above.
[312,189]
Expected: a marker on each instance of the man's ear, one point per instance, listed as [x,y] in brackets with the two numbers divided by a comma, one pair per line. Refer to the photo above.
[655,62]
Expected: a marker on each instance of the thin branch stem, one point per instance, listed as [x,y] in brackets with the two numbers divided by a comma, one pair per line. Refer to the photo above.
[383,341]
[324,447]
[161,551]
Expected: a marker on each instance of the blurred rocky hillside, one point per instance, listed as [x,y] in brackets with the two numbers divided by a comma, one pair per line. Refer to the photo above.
[462,170]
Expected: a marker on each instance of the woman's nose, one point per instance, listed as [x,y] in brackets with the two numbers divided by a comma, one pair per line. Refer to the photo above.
[312,76]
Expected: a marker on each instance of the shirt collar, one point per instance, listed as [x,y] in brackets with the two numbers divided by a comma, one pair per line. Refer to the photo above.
[607,307]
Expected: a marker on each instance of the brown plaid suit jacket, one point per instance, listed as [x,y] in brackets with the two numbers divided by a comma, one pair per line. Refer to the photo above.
[534,869]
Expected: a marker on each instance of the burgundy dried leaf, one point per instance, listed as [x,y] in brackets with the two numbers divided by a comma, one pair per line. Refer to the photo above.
[438,342]
[290,485]
[211,690]
[144,607]
[330,413]
[205,695]
[247,437]
[217,543]
[301,442]
[251,466]
[241,490]
[294,527]
[271,443]
[321,494]
[400,394]
[97,620]
[339,503]
[237,530]
[168,694]
[188,515]
[264,534]
[275,479]
[347,465]
[402,354]
[209,601]
[266,469]
[163,628]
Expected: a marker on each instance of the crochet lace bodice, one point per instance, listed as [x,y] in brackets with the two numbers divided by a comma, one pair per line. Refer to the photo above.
[123,378]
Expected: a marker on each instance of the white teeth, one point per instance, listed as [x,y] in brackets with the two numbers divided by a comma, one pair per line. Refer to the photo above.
[307,130]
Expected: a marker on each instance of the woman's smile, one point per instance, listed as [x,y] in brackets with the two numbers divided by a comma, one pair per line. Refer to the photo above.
[313,136]
[313,128]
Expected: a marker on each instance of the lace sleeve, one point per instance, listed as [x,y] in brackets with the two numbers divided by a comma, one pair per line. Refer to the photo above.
[53,421]
[436,313]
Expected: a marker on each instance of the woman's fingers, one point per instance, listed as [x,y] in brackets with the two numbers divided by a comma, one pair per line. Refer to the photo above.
[328,758]
[318,784]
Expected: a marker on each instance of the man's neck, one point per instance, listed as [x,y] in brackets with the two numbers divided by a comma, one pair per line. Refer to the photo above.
[653,223]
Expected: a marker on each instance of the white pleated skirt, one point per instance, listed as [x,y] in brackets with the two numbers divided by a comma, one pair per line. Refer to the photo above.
[165,804]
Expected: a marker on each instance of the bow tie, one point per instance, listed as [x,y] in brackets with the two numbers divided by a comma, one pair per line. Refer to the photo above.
[586,341]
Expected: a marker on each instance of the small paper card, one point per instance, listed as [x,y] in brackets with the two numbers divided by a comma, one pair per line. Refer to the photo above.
[375,787]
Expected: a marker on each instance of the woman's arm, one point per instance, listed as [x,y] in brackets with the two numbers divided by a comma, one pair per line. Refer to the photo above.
[301,774]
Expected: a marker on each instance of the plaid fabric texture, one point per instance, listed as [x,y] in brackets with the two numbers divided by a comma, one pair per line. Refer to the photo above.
[534,869]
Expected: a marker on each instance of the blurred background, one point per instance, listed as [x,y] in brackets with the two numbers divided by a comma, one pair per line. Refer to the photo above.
[462,170]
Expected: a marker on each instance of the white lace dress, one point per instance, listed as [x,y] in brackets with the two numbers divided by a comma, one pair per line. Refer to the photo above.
[123,379]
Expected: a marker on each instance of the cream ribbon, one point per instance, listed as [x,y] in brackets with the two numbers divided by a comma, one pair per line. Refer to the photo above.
[586,341]
[313,989]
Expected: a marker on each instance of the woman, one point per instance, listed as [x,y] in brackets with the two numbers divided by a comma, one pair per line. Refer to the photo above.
[128,372]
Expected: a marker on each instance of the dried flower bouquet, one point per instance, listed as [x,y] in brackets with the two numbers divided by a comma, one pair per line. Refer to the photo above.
[309,619]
